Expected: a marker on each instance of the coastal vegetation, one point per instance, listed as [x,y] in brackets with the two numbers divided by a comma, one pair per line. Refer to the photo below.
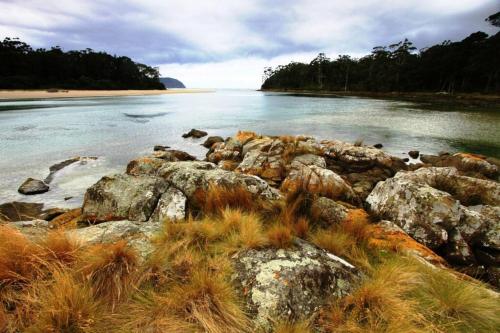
[57,284]
[22,67]
[180,245]
[469,65]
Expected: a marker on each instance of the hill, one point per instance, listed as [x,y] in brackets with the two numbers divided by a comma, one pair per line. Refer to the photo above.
[22,67]
[170,82]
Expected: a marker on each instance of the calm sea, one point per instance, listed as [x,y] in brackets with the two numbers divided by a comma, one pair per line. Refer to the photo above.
[37,134]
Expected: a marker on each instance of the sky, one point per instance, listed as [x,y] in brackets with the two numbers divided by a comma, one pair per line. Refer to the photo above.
[227,43]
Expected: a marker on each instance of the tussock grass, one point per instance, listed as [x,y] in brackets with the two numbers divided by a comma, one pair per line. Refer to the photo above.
[287,327]
[58,285]
[280,236]
[64,305]
[21,261]
[455,304]
[110,270]
[217,198]
[209,302]
[59,248]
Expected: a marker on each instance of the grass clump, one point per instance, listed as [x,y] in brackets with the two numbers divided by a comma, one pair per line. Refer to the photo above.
[109,269]
[456,304]
[217,198]
[280,236]
[64,305]
[290,327]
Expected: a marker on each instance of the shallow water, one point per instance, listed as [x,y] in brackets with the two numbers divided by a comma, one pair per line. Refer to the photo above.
[37,134]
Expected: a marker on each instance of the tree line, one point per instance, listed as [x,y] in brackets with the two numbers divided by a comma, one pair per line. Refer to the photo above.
[22,67]
[470,65]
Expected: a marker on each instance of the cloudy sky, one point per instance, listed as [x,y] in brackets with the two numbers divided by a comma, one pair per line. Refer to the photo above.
[227,43]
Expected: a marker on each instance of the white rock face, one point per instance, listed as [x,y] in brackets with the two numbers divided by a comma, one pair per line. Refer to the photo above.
[290,283]
[171,206]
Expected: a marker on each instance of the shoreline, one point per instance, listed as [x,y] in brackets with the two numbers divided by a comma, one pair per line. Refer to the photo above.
[434,99]
[12,95]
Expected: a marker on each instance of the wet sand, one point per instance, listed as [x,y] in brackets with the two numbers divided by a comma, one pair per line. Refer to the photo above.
[44,94]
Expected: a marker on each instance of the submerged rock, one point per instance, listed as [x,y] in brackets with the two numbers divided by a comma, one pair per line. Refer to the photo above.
[33,186]
[27,211]
[288,284]
[122,197]
[194,133]
[414,153]
[160,148]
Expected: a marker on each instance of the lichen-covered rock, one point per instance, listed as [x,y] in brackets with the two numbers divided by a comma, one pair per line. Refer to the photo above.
[122,197]
[307,171]
[33,186]
[266,162]
[70,217]
[230,150]
[386,235]
[286,284]
[470,164]
[256,144]
[209,142]
[190,177]
[327,212]
[404,201]
[433,205]
[171,206]
[145,166]
[138,235]
[360,157]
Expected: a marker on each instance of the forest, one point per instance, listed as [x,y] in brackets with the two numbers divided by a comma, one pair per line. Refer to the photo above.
[22,67]
[470,65]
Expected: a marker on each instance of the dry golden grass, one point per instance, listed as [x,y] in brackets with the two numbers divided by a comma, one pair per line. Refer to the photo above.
[110,270]
[286,327]
[280,236]
[455,304]
[217,198]
[64,305]
[60,248]
[209,302]
[56,285]
[21,261]
[379,304]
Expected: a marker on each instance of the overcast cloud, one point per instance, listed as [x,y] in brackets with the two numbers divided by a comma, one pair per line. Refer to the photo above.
[226,43]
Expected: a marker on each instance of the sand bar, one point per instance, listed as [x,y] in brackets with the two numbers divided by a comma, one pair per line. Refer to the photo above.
[44,94]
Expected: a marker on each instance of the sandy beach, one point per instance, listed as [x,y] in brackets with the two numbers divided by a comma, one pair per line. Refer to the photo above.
[44,94]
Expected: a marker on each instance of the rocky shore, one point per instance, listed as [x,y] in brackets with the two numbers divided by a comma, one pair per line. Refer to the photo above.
[442,211]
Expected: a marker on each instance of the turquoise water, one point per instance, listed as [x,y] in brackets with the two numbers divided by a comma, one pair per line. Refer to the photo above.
[37,134]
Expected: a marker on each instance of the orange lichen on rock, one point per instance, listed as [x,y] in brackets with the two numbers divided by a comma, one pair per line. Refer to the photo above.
[388,236]
[471,156]
[245,136]
[67,220]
